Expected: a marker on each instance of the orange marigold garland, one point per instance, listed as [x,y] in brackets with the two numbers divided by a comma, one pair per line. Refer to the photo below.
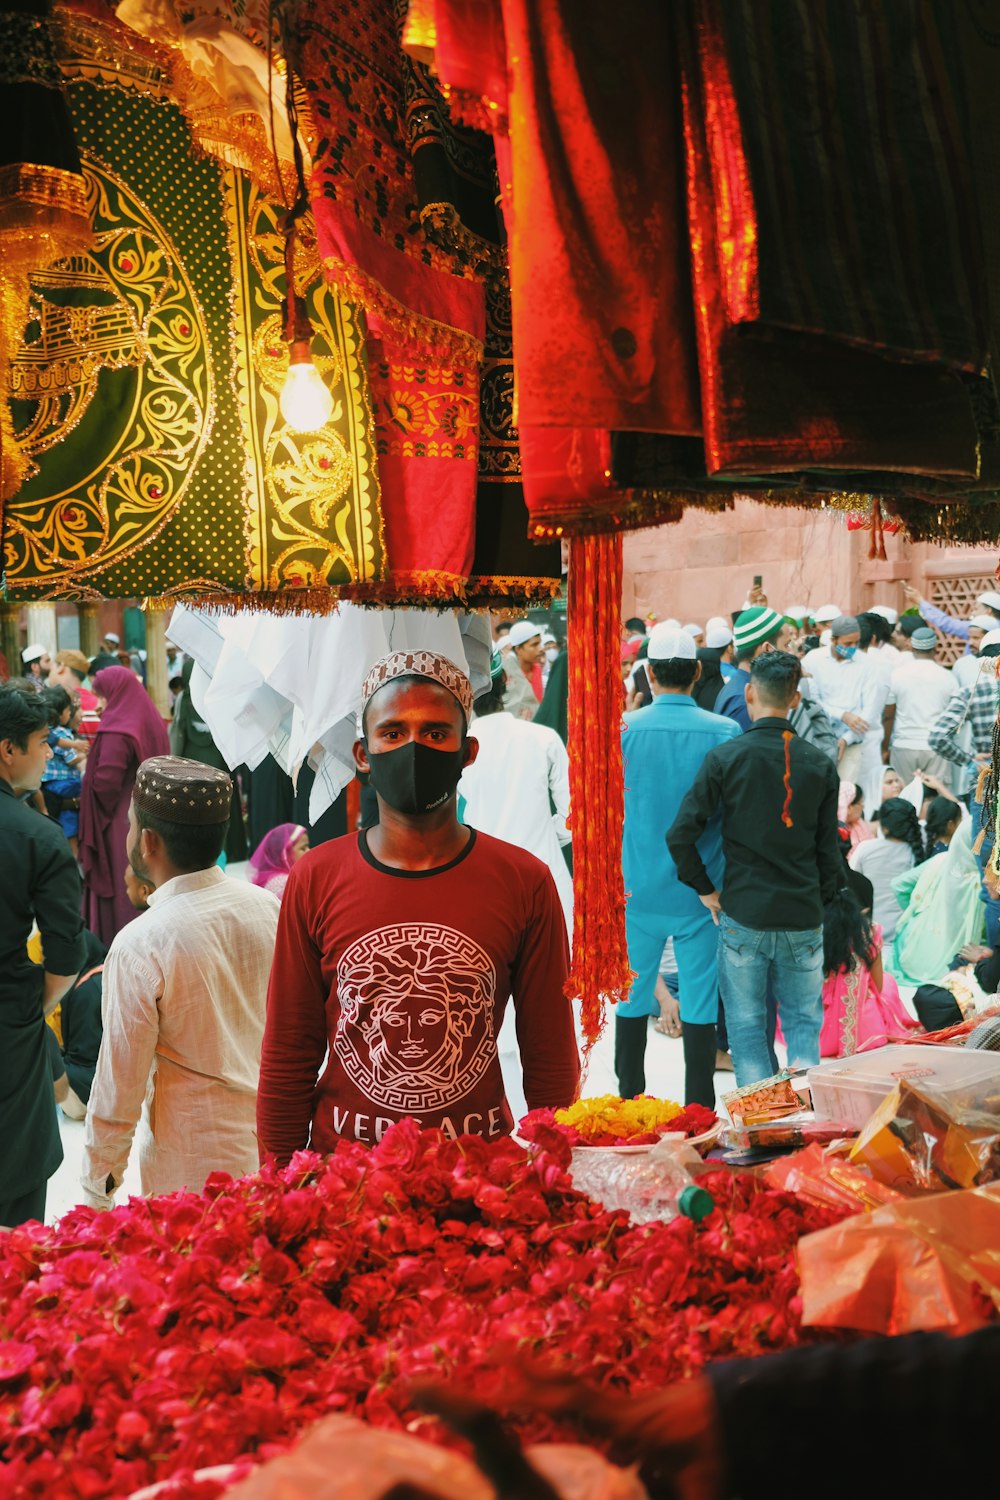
[600,970]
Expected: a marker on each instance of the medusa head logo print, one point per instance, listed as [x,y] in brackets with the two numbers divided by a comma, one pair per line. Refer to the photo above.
[415,1031]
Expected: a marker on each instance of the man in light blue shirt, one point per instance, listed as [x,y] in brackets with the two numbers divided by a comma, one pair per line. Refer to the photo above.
[663,747]
[988,604]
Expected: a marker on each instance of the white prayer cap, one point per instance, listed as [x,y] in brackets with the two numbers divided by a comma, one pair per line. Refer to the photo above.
[674,624]
[718,636]
[886,611]
[991,638]
[797,612]
[715,621]
[827,613]
[984,622]
[523,631]
[33,653]
[990,599]
[670,643]
[693,629]
[109,635]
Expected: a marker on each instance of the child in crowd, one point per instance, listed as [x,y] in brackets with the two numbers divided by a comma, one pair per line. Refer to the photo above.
[850,813]
[862,1008]
[62,778]
[898,848]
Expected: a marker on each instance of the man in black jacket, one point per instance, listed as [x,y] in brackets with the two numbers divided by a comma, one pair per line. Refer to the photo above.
[39,882]
[778,798]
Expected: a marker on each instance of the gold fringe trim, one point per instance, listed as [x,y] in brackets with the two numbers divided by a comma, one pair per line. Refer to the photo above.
[442,223]
[511,593]
[420,590]
[452,346]
[53,188]
[621,510]
[90,43]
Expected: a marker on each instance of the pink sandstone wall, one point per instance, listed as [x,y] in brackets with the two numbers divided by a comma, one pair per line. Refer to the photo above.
[705,564]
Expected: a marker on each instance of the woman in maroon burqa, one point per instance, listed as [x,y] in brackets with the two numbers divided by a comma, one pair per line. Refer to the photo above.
[130,731]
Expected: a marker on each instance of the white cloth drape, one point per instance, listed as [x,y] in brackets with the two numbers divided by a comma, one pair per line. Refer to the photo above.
[291,684]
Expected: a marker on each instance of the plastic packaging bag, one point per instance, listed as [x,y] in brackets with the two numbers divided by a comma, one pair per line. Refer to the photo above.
[767,1099]
[789,1132]
[647,1182]
[925,1142]
[923,1263]
[822,1175]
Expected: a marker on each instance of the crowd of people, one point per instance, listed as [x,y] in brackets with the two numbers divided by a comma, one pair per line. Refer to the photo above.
[800,840]
[801,829]
[227,1019]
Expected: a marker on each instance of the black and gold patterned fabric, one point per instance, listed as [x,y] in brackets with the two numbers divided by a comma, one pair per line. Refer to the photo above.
[145,389]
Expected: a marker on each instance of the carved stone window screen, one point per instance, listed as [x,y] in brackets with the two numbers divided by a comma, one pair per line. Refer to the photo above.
[958,597]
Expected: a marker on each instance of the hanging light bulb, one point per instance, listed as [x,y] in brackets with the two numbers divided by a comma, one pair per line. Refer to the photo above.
[306,400]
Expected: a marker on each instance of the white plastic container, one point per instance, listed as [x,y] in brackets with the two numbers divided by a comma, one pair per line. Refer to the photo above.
[850,1088]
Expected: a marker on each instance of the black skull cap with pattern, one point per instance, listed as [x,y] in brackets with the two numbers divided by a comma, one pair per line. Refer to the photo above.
[419,663]
[182,791]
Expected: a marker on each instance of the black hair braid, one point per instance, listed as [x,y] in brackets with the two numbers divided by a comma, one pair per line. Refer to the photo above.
[899,821]
[847,934]
[942,812]
[990,784]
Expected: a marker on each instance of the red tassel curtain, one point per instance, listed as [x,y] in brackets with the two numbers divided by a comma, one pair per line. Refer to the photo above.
[600,970]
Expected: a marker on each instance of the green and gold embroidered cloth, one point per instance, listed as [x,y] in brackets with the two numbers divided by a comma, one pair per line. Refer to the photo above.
[145,390]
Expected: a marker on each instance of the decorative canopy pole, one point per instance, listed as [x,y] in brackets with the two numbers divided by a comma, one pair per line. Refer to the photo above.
[600,970]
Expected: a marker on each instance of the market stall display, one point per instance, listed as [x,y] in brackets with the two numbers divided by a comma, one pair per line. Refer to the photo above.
[176,1333]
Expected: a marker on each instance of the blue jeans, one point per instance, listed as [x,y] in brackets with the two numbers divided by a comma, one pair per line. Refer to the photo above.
[753,961]
[991,902]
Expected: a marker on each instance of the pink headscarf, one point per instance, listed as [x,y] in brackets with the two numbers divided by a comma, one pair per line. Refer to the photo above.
[130,711]
[271,861]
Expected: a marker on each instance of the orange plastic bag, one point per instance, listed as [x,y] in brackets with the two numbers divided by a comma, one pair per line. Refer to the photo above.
[822,1175]
[924,1142]
[922,1263]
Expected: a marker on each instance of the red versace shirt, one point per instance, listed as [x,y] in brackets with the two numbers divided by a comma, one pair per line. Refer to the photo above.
[399,980]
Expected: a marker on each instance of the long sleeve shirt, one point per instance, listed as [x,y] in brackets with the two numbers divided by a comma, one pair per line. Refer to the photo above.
[784,1402]
[519,776]
[39,881]
[979,712]
[731,702]
[663,748]
[388,991]
[185,988]
[856,686]
[778,799]
[941,620]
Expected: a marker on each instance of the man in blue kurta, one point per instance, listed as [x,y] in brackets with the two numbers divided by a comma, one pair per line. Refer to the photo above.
[663,747]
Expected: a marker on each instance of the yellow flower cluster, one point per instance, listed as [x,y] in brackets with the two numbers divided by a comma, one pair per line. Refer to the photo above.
[608,1117]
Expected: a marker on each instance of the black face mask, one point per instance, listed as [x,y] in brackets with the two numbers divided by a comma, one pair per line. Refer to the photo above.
[413,778]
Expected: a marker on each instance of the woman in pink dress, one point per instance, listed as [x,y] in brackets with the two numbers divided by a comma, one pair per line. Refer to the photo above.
[862,1007]
[130,731]
[272,860]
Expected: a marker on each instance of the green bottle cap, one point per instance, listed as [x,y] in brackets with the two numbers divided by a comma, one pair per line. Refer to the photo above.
[695,1203]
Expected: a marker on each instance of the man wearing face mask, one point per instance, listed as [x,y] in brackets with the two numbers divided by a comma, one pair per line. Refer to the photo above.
[392,968]
[851,690]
